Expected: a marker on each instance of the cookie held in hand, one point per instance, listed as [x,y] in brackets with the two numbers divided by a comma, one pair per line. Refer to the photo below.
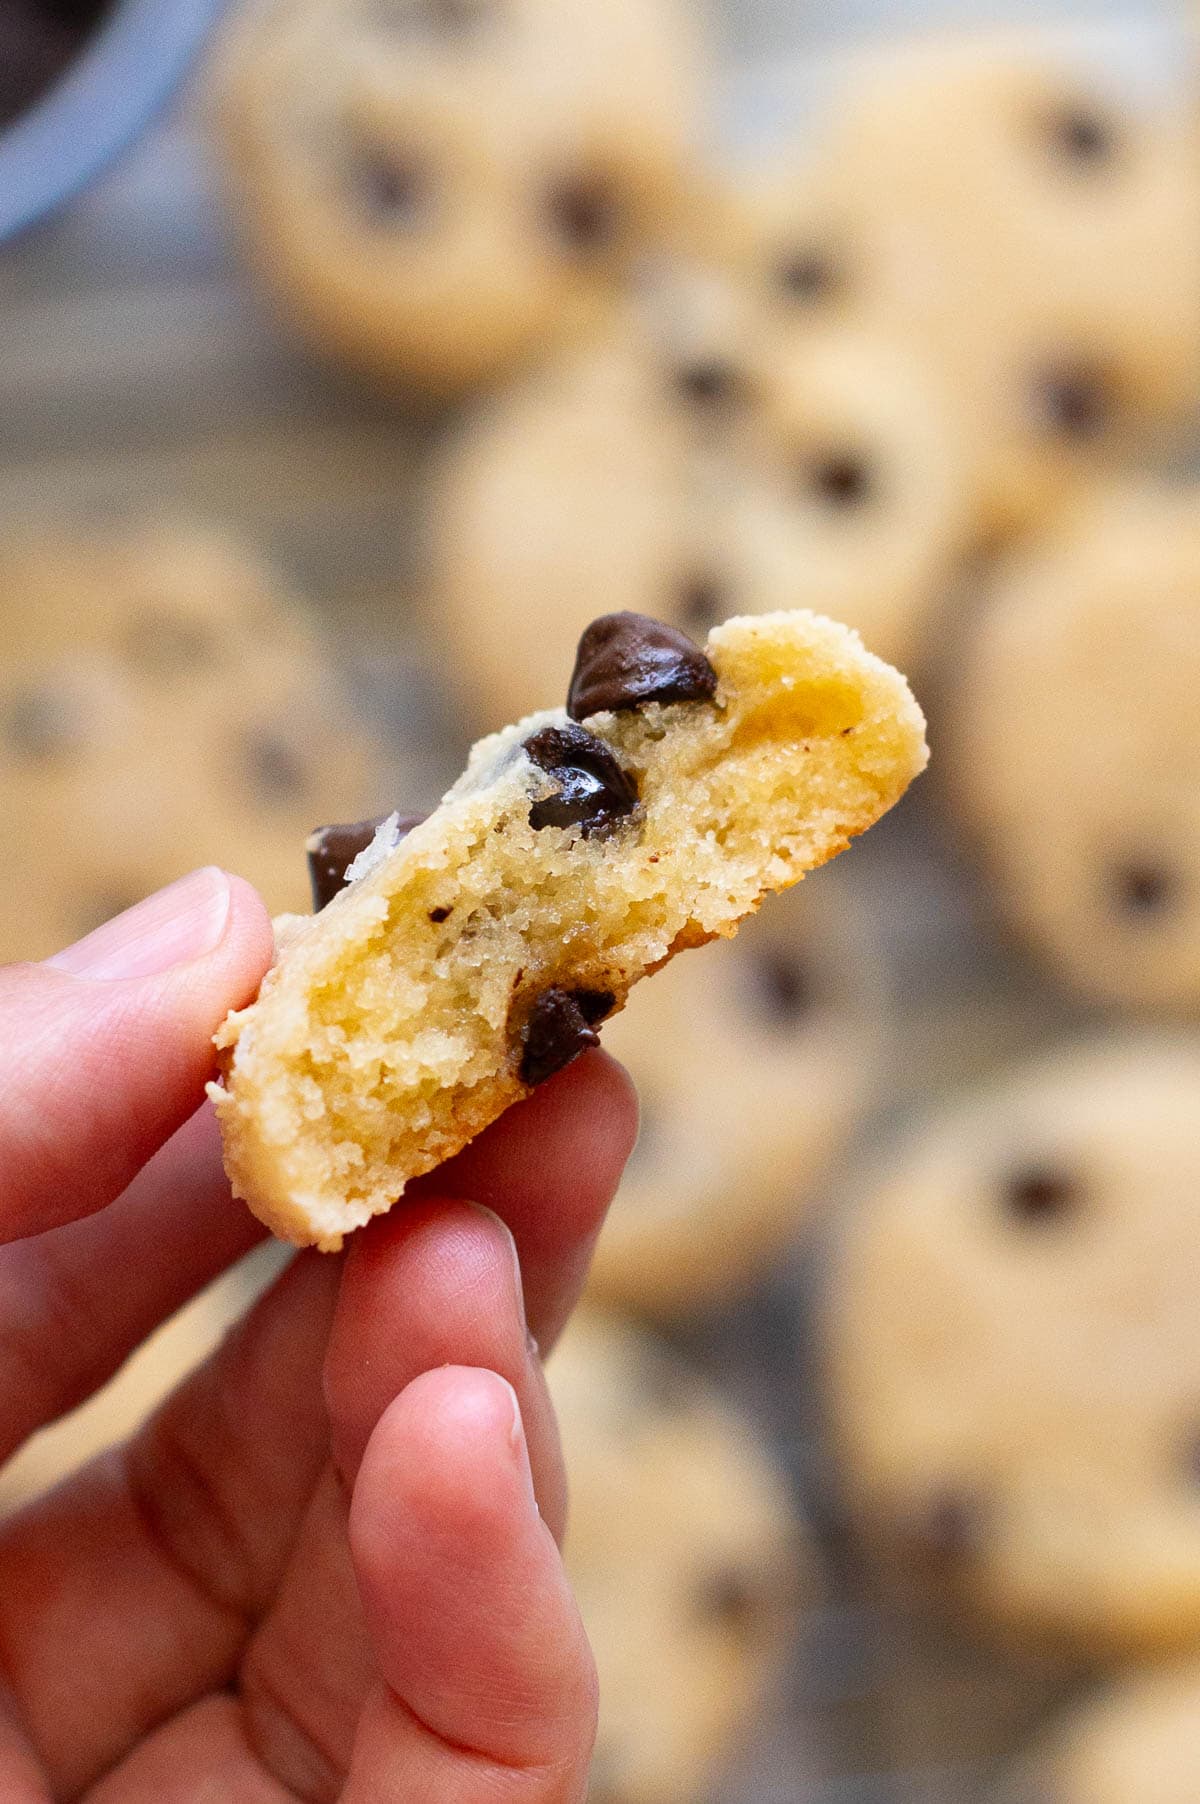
[474,956]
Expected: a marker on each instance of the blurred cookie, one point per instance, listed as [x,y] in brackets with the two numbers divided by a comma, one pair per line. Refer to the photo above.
[164,703]
[670,484]
[732,1148]
[683,1552]
[1074,753]
[436,188]
[1137,1742]
[1013,1351]
[1030,219]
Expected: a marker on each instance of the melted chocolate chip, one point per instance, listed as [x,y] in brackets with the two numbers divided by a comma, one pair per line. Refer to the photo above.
[1143,890]
[275,768]
[783,987]
[842,480]
[593,792]
[949,1528]
[730,1597]
[560,1025]
[710,383]
[1040,1193]
[332,849]
[390,186]
[1075,401]
[583,212]
[1084,136]
[702,602]
[628,660]
[41,722]
[438,915]
[806,275]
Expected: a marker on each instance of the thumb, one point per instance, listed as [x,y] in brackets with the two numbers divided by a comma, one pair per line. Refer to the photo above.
[110,1044]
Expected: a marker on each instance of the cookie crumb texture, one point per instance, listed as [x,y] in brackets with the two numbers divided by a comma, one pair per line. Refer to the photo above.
[386,1039]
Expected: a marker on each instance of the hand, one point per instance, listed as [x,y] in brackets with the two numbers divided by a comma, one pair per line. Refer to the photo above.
[318,1572]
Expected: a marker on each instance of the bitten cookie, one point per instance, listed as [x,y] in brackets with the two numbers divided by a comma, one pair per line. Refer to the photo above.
[580,849]
[1029,218]
[659,468]
[164,703]
[733,1147]
[1075,745]
[1136,1742]
[1013,1351]
[685,1556]
[436,188]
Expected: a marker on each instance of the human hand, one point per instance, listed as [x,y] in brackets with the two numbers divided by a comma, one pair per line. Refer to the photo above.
[318,1572]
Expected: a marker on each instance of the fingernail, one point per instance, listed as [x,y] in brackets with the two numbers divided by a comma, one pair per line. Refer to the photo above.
[518,1444]
[506,1231]
[173,927]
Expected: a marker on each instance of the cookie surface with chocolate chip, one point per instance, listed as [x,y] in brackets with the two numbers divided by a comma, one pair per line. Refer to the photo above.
[684,1553]
[1075,735]
[435,193]
[165,702]
[1012,1350]
[733,1148]
[568,861]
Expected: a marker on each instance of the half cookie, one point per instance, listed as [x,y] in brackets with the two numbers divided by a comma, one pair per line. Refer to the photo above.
[474,956]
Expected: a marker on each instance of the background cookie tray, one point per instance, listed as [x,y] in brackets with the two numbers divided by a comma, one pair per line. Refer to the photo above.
[136,369]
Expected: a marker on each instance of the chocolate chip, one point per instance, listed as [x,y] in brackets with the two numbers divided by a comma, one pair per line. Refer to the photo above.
[783,988]
[390,186]
[583,212]
[1040,1193]
[806,275]
[41,721]
[593,791]
[710,383]
[438,915]
[332,849]
[560,1025]
[627,660]
[1143,890]
[730,1597]
[949,1527]
[841,479]
[1075,401]
[1083,135]
[164,644]
[275,768]
[701,602]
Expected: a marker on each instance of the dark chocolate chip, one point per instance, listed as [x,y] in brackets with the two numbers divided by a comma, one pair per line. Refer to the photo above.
[841,479]
[438,915]
[332,849]
[730,1597]
[806,275]
[1075,401]
[275,768]
[1143,890]
[41,722]
[1040,1193]
[710,383]
[593,792]
[558,1028]
[783,987]
[390,186]
[583,212]
[627,660]
[949,1527]
[702,602]
[1084,135]
[164,644]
